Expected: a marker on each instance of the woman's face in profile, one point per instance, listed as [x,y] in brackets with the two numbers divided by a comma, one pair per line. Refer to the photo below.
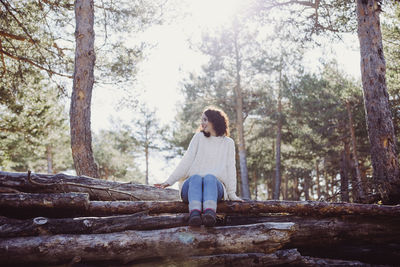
[205,124]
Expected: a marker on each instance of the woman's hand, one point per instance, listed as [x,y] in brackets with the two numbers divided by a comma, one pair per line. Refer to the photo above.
[163,185]
[234,197]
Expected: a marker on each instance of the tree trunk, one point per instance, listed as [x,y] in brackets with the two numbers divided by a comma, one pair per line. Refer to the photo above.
[132,245]
[278,141]
[306,188]
[317,180]
[255,184]
[239,123]
[146,151]
[147,163]
[285,189]
[375,240]
[277,258]
[96,188]
[314,261]
[326,176]
[25,205]
[317,232]
[379,120]
[358,186]
[344,178]
[49,156]
[89,225]
[81,136]
[333,187]
[296,195]
[314,208]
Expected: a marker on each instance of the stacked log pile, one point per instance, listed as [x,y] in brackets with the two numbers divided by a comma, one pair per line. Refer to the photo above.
[65,220]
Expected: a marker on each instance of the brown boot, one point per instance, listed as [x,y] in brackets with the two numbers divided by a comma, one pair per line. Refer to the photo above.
[209,217]
[194,218]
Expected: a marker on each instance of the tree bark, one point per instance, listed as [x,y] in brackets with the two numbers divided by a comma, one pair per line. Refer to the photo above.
[344,178]
[372,240]
[379,120]
[310,208]
[89,225]
[359,185]
[25,204]
[240,121]
[317,232]
[81,136]
[296,194]
[132,245]
[306,187]
[255,178]
[314,261]
[146,151]
[96,188]
[49,155]
[279,257]
[318,183]
[278,141]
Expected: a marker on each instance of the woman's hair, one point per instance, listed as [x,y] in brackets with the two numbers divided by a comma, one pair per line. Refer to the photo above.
[219,120]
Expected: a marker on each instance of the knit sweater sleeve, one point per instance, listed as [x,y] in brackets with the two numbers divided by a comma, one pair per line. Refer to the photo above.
[184,165]
[231,179]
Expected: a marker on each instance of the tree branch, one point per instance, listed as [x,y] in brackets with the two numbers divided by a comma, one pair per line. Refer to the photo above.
[33,63]
[17,37]
[2,60]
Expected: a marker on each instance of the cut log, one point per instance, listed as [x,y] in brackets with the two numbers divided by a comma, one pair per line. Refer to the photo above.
[132,245]
[316,232]
[286,257]
[374,240]
[25,204]
[313,261]
[88,225]
[309,208]
[279,257]
[96,188]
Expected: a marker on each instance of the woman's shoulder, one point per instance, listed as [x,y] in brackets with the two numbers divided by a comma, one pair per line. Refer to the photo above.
[197,135]
[229,140]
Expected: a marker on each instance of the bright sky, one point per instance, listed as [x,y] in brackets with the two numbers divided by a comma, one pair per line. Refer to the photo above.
[171,59]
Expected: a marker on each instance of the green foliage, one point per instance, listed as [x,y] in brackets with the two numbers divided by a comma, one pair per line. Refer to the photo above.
[114,151]
[34,121]
[37,38]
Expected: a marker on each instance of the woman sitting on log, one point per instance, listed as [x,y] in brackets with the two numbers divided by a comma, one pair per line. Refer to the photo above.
[207,171]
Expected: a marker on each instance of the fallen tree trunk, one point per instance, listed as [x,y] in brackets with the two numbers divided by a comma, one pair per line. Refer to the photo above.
[88,225]
[286,257]
[26,204]
[312,232]
[374,240]
[278,257]
[132,245]
[313,261]
[96,188]
[109,208]
[316,232]
[309,208]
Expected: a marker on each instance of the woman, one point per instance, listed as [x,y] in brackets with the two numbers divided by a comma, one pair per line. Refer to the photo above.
[207,172]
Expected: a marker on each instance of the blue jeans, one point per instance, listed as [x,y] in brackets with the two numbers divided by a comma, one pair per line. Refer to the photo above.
[197,190]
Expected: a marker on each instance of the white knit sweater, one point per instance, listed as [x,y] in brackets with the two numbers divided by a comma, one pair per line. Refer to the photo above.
[209,155]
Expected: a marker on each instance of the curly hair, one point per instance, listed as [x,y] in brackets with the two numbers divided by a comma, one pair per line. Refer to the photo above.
[219,120]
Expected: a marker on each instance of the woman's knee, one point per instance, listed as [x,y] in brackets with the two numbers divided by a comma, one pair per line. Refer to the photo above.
[210,178]
[195,179]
